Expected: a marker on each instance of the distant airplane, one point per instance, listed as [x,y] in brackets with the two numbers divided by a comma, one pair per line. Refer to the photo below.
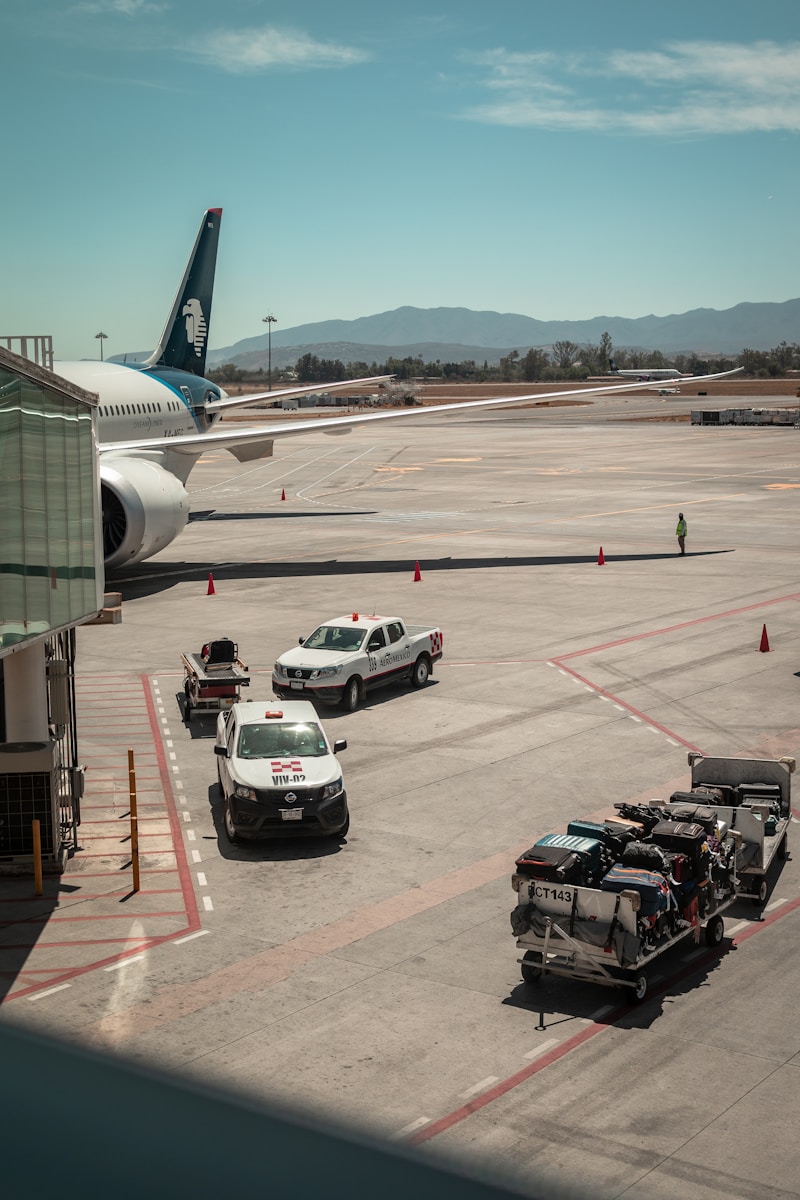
[156,418]
[650,374]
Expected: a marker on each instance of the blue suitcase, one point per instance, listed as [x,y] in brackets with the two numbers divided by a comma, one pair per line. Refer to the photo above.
[652,887]
[589,849]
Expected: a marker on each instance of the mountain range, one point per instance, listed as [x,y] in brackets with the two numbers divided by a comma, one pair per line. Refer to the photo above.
[455,334]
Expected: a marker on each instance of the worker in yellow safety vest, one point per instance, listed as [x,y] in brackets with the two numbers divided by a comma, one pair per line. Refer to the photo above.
[680,533]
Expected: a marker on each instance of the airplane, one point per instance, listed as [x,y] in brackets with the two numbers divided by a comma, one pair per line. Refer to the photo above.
[155,419]
[650,374]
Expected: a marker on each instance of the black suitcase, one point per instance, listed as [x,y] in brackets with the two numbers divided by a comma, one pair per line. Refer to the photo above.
[642,814]
[551,864]
[689,807]
[647,856]
[683,837]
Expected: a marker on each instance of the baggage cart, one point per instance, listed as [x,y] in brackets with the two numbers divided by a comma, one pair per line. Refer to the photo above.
[213,679]
[610,937]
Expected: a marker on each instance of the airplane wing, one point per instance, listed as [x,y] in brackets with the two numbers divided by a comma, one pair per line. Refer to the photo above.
[228,402]
[237,440]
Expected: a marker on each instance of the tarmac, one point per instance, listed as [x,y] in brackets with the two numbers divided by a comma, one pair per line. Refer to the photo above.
[376,982]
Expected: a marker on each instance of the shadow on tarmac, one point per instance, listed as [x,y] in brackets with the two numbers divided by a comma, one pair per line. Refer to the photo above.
[211,514]
[151,578]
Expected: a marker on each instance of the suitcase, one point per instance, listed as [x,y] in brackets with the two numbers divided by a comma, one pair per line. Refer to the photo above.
[589,849]
[652,887]
[643,814]
[610,816]
[614,837]
[647,856]
[687,806]
[551,864]
[683,837]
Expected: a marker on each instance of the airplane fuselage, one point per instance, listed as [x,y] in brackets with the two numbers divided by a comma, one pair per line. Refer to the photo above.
[139,402]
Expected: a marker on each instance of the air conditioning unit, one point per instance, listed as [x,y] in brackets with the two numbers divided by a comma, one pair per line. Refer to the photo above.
[29,790]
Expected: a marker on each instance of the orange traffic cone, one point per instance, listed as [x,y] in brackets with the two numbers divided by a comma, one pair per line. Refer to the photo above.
[283,493]
[417,574]
[600,559]
[212,591]
[764,647]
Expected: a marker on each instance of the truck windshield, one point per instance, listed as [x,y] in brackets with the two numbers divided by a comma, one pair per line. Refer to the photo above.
[336,637]
[281,738]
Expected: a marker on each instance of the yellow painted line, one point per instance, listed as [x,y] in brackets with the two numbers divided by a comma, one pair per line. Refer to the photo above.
[616,512]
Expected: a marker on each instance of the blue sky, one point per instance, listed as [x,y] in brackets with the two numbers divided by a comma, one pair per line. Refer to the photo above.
[562,160]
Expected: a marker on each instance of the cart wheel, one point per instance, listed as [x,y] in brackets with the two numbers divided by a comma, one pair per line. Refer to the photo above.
[230,831]
[637,993]
[715,931]
[759,896]
[783,848]
[530,967]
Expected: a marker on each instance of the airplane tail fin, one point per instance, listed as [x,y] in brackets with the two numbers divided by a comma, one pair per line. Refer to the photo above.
[611,366]
[184,341]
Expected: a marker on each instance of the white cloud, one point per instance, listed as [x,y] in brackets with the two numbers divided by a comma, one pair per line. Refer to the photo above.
[683,88]
[126,8]
[248,50]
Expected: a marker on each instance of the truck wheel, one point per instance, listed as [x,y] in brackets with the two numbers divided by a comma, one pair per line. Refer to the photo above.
[352,694]
[227,820]
[715,931]
[637,993]
[759,894]
[530,967]
[421,672]
[343,832]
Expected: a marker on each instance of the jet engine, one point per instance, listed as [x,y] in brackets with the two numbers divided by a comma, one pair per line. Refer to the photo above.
[144,509]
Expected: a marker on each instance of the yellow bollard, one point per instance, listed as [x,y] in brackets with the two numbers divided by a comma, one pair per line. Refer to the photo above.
[134,821]
[37,856]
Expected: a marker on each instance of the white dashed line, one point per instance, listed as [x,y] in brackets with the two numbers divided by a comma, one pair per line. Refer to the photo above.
[620,707]
[201,879]
[737,928]
[208,904]
[49,992]
[125,963]
[775,904]
[187,816]
[190,834]
[191,936]
[541,1049]
[196,856]
[407,1129]
[179,784]
[479,1087]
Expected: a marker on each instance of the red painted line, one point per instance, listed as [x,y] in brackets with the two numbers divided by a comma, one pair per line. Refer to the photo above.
[637,637]
[629,707]
[73,973]
[126,916]
[125,941]
[558,1052]
[113,874]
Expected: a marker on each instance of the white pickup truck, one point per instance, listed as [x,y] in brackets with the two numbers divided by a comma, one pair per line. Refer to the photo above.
[347,655]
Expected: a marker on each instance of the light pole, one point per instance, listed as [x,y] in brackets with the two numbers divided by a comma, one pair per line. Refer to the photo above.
[102,337]
[269,322]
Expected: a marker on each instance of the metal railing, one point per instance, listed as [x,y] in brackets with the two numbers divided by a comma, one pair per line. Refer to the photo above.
[36,347]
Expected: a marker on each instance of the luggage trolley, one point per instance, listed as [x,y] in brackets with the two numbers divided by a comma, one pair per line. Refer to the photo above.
[213,679]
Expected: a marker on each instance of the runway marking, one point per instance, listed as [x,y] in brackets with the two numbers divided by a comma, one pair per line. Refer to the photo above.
[559,1051]
[734,929]
[537,1050]
[407,1129]
[117,966]
[479,1087]
[191,936]
[774,904]
[49,992]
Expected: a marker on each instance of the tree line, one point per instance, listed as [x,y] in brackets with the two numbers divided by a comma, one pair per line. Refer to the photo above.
[564,360]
